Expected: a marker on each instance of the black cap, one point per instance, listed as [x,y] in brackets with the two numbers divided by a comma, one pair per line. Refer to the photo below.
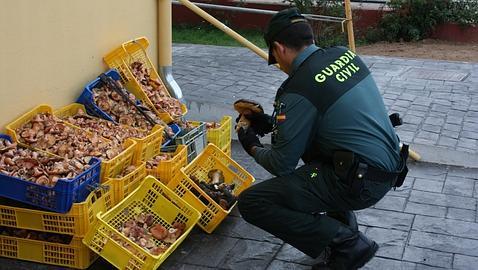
[280,21]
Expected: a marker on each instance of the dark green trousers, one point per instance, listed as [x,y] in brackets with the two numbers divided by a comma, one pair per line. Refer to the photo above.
[289,206]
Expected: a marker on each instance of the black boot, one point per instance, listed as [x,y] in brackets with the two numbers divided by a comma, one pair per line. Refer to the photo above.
[351,249]
[346,217]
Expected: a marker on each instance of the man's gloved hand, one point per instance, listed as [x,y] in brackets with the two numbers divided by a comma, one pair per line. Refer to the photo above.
[248,139]
[253,116]
[260,122]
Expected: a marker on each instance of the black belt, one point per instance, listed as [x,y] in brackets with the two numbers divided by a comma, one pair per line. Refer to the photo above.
[373,174]
[353,171]
[377,175]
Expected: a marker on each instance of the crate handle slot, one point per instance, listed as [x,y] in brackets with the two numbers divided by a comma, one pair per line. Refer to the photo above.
[130,56]
[98,190]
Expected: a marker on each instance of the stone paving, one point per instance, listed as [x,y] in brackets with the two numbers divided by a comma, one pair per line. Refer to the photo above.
[428,223]
[431,222]
[438,100]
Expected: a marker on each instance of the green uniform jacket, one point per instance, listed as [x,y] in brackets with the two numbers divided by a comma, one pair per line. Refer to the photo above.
[306,123]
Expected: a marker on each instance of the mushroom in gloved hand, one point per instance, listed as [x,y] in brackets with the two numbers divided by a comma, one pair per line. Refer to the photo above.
[244,107]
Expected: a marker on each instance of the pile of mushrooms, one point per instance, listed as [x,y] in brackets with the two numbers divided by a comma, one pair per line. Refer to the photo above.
[35,235]
[49,133]
[154,162]
[107,129]
[121,110]
[217,189]
[38,167]
[212,125]
[126,171]
[150,235]
[156,91]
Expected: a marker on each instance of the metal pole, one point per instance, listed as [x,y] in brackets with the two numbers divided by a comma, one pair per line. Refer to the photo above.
[224,28]
[313,17]
[257,50]
[165,44]
[350,27]
[194,7]
[414,155]
[233,8]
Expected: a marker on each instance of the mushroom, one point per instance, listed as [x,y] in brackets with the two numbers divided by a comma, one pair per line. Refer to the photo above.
[245,107]
[6,145]
[158,250]
[216,176]
[43,180]
[159,232]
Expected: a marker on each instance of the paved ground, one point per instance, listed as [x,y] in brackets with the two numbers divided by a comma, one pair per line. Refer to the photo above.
[438,100]
[428,223]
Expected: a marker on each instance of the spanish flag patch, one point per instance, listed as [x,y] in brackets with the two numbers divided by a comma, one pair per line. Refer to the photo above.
[280,118]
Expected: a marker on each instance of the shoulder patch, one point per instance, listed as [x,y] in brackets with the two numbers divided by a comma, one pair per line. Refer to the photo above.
[280,118]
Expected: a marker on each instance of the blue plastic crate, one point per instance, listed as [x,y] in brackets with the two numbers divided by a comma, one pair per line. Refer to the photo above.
[86,98]
[58,198]
[176,129]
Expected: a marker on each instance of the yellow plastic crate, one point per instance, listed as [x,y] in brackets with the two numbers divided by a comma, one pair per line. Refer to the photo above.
[151,197]
[211,158]
[121,58]
[108,167]
[169,169]
[123,186]
[10,128]
[132,147]
[76,222]
[227,149]
[114,166]
[74,255]
[150,145]
[42,108]
[221,136]
[71,110]
[145,147]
